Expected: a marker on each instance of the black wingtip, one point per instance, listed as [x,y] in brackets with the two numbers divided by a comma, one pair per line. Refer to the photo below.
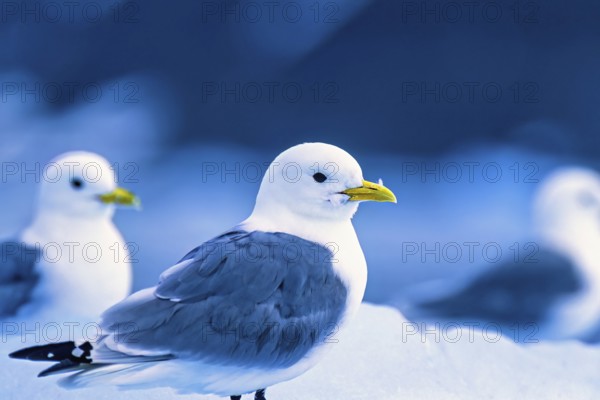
[20,354]
[67,356]
[49,352]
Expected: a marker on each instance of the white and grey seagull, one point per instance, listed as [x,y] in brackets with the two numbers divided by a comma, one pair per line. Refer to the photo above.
[62,265]
[252,307]
[552,291]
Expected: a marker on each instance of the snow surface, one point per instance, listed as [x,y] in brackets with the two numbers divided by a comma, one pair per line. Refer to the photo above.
[380,357]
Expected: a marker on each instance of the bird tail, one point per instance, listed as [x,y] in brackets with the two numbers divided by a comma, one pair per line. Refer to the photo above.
[67,356]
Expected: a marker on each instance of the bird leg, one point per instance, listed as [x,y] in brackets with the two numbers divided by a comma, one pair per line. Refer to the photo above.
[259,395]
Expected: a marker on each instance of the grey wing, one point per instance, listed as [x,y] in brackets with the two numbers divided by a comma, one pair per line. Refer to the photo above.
[18,275]
[518,292]
[243,298]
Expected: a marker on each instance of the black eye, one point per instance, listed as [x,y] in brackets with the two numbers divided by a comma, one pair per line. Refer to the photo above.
[76,183]
[319,177]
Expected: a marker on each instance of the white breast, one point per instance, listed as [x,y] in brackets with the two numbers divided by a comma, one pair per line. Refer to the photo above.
[85,268]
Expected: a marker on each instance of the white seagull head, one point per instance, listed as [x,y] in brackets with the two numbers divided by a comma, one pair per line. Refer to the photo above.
[567,207]
[81,184]
[316,180]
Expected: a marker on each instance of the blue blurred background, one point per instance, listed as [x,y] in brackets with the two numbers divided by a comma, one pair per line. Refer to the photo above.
[460,107]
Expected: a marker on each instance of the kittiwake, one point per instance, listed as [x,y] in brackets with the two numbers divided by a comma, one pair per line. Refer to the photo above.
[552,291]
[71,261]
[255,306]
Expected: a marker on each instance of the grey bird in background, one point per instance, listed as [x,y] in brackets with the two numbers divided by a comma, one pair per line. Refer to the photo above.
[550,292]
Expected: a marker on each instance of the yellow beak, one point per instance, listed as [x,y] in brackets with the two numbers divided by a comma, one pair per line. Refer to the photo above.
[120,196]
[370,191]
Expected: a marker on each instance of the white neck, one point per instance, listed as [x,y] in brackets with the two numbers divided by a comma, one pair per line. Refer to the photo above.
[576,315]
[48,226]
[279,219]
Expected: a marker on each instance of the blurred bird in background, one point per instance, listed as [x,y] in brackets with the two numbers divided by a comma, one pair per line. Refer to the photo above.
[71,261]
[295,263]
[552,290]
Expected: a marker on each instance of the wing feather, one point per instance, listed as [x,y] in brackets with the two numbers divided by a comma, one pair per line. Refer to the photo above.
[240,298]
[18,275]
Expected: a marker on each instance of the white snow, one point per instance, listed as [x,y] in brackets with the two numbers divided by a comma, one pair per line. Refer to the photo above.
[380,356]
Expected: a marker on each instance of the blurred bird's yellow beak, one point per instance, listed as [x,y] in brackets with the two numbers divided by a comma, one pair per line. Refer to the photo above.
[121,197]
[370,191]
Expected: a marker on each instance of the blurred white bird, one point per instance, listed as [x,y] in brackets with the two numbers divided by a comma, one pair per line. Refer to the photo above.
[250,308]
[71,260]
[554,292]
